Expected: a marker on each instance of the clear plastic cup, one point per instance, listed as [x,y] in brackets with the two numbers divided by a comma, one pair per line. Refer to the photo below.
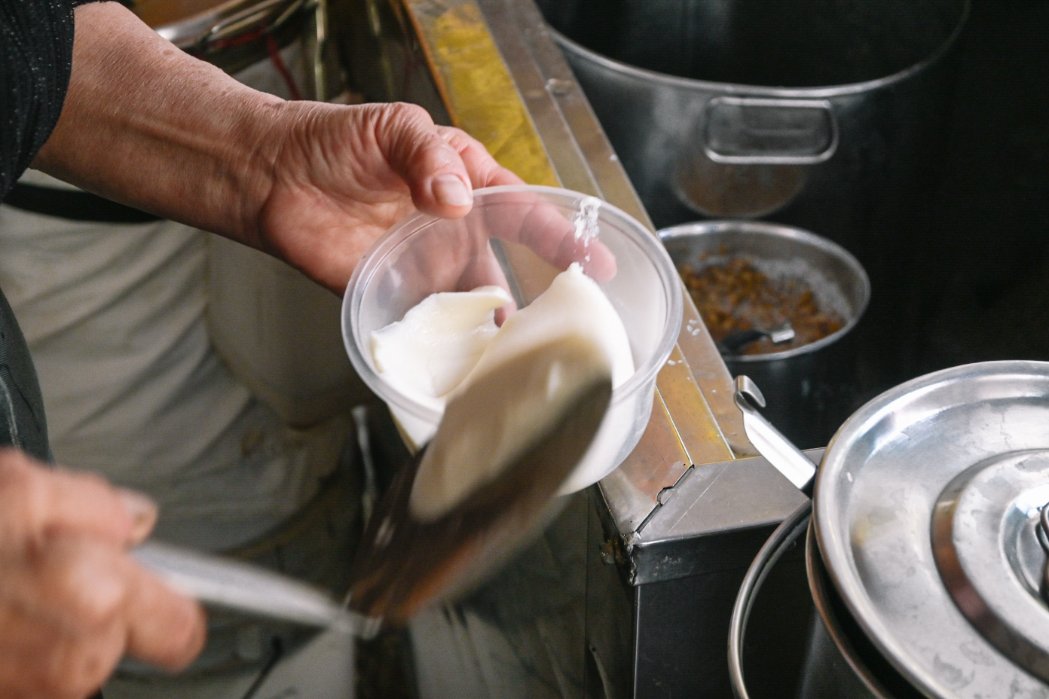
[521,237]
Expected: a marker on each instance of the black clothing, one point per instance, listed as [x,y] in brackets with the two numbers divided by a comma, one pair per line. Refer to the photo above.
[22,422]
[72,205]
[36,45]
[36,50]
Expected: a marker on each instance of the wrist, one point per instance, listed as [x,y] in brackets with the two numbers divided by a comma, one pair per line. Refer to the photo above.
[149,126]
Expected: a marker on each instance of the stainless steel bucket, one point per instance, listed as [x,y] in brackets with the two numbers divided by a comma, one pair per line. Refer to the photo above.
[814,387]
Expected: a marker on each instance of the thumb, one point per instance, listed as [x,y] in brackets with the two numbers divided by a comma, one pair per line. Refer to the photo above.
[431,167]
[38,502]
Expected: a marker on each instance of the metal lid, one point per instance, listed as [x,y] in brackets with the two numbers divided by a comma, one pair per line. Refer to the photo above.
[927,506]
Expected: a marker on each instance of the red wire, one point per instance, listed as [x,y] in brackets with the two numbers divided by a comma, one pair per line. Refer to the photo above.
[272,49]
[278,63]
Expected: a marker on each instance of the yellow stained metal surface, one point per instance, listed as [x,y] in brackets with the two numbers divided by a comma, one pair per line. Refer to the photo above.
[700,435]
[477,88]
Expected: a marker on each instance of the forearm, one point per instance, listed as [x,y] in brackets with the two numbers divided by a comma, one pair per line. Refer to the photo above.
[146,124]
[313,184]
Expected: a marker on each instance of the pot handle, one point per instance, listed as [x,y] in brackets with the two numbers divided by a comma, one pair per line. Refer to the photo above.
[770,442]
[752,130]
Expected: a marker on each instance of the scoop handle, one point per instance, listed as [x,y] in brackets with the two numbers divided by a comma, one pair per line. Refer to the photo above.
[770,442]
[248,589]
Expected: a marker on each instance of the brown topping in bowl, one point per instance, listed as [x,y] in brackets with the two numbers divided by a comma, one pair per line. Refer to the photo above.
[734,295]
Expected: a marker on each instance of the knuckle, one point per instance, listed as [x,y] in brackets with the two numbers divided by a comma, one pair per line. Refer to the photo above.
[412,112]
[23,496]
[87,582]
[455,136]
[98,608]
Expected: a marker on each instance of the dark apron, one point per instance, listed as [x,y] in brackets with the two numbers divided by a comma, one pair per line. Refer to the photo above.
[22,422]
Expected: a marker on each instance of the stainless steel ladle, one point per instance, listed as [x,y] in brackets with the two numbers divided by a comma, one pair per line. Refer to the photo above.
[407,562]
[734,343]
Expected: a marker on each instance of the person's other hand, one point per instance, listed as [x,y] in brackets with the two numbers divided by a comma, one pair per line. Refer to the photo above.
[343,175]
[72,601]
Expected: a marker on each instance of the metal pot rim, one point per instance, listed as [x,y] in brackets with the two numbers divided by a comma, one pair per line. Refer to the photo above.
[797,525]
[803,236]
[858,476]
[829,91]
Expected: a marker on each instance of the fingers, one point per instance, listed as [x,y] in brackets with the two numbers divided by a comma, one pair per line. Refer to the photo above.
[543,229]
[70,612]
[440,164]
[165,628]
[484,170]
[429,165]
[39,501]
[72,601]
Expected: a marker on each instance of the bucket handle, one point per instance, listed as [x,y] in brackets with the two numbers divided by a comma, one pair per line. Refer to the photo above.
[752,130]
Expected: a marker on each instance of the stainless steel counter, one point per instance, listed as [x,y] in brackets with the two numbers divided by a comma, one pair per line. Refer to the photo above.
[663,540]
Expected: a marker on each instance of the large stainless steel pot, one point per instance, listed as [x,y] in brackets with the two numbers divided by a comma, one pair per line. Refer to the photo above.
[815,386]
[925,560]
[828,115]
[825,111]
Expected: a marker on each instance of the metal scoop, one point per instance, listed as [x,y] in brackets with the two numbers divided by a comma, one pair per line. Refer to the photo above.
[734,343]
[408,560]
[230,584]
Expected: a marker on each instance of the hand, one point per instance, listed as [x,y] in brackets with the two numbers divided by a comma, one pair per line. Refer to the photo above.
[312,183]
[72,602]
[515,232]
[344,175]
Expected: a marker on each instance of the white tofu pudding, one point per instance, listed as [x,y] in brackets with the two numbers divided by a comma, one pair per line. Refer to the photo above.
[437,299]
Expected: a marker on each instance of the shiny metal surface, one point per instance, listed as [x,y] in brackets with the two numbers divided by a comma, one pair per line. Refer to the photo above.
[828,664]
[197,24]
[822,114]
[985,543]
[877,491]
[681,517]
[745,108]
[847,643]
[414,554]
[769,441]
[234,34]
[771,551]
[692,537]
[408,561]
[249,589]
[734,343]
